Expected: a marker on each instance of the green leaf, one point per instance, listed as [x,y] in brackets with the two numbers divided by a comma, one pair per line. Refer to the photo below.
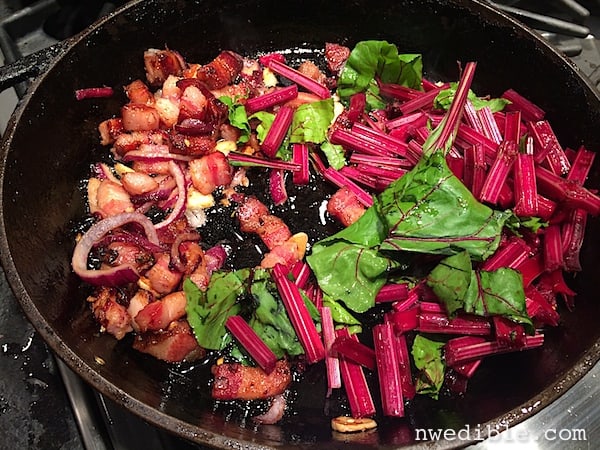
[311,122]
[429,210]
[484,293]
[270,319]
[339,314]
[445,97]
[336,157]
[237,117]
[378,59]
[266,120]
[427,355]
[208,310]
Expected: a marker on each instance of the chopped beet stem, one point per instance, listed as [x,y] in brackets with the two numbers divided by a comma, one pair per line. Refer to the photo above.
[388,370]
[299,78]
[270,99]
[96,92]
[252,343]
[525,186]
[332,363]
[240,159]
[278,130]
[299,315]
[529,110]
[498,173]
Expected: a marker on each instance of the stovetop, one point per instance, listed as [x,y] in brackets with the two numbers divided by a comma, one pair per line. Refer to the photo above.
[44,405]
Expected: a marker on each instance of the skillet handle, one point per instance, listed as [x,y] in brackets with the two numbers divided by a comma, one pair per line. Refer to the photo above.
[30,66]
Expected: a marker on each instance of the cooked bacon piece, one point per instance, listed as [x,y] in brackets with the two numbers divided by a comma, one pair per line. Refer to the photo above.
[161,278]
[192,145]
[151,167]
[192,256]
[249,213]
[221,71]
[345,206]
[168,111]
[128,253]
[138,92]
[136,303]
[255,217]
[127,142]
[175,344]
[302,98]
[210,171]
[111,315]
[275,411]
[138,183]
[109,130]
[157,315]
[286,253]
[160,64]
[108,198]
[192,104]
[311,70]
[139,117]
[336,56]
[237,382]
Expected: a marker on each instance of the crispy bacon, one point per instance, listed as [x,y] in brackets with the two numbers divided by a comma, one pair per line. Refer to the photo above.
[110,314]
[237,382]
[126,142]
[109,130]
[175,344]
[345,206]
[160,64]
[209,172]
[128,253]
[192,145]
[140,117]
[108,198]
[138,92]
[138,183]
[221,71]
[336,56]
[161,278]
[311,70]
[157,315]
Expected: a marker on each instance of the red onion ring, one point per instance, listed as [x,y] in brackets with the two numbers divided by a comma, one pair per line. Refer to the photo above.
[114,276]
[275,412]
[179,206]
[138,155]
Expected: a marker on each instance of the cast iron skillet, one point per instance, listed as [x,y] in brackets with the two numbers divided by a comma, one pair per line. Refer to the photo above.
[52,139]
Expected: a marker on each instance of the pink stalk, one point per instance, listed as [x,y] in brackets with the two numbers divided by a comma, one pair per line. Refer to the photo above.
[498,173]
[398,91]
[471,117]
[357,142]
[332,363]
[584,159]
[388,370]
[300,156]
[277,186]
[475,170]
[563,190]
[573,231]
[467,369]
[240,159]
[439,322]
[350,348]
[335,177]
[301,272]
[553,248]
[270,99]
[468,348]
[489,125]
[414,152]
[357,105]
[299,316]
[352,173]
[392,293]
[357,389]
[393,145]
[548,147]
[299,78]
[529,110]
[546,207]
[411,300]
[511,253]
[405,320]
[512,126]
[429,85]
[539,308]
[252,343]
[380,161]
[408,388]
[415,119]
[95,92]
[525,186]
[508,332]
[279,128]
[384,173]
[472,137]
[422,102]
[531,268]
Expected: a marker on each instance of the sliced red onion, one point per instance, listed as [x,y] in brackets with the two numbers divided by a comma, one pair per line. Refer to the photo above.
[194,127]
[179,207]
[157,155]
[131,238]
[277,186]
[275,412]
[215,258]
[113,276]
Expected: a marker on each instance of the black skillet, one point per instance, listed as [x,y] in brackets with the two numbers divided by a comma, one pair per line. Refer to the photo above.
[52,139]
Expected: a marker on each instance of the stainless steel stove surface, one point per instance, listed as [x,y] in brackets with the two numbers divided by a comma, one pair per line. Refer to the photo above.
[44,405]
